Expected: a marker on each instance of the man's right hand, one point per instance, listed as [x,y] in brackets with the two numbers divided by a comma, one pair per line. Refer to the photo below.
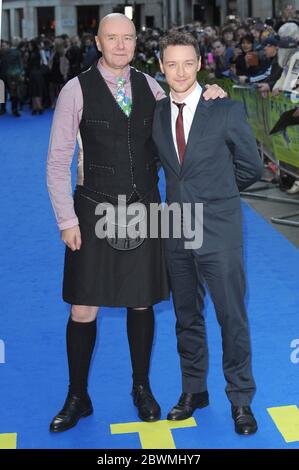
[72,237]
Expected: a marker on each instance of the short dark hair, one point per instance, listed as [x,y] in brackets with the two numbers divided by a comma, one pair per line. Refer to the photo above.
[248,38]
[227,29]
[221,40]
[176,38]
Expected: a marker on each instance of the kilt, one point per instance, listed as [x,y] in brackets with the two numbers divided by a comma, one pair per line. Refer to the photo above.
[99,275]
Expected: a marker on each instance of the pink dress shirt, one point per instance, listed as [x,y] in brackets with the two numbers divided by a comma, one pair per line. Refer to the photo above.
[64,135]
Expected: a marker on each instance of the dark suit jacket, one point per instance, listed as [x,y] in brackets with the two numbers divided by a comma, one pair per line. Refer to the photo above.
[221,159]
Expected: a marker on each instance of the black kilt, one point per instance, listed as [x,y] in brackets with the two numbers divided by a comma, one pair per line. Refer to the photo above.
[99,275]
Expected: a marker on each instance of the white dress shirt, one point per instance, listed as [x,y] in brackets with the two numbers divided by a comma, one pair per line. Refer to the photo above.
[191,102]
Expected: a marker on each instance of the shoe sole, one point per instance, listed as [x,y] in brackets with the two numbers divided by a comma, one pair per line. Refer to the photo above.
[202,405]
[83,415]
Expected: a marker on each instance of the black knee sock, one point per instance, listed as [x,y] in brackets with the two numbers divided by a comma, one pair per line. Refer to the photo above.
[140,329]
[80,338]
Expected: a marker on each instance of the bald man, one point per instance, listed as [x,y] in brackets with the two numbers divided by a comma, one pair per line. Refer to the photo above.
[108,109]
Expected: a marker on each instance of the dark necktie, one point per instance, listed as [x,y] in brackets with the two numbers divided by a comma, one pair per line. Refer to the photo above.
[179,130]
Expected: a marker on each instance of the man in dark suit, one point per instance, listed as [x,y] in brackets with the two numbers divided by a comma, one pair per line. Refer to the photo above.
[208,153]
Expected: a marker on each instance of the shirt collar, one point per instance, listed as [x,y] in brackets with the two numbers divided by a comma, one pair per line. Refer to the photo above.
[192,100]
[109,77]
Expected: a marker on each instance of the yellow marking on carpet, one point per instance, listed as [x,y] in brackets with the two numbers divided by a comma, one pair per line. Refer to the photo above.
[153,435]
[286,418]
[8,441]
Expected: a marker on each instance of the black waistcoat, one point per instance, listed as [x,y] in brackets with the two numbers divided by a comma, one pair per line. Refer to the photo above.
[119,154]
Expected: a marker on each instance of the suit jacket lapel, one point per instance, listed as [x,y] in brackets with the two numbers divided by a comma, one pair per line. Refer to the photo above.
[166,124]
[198,127]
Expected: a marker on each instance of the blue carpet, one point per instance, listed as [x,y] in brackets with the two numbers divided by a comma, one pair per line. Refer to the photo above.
[33,378]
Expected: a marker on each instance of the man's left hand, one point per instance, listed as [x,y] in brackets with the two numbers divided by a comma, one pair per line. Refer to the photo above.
[213,92]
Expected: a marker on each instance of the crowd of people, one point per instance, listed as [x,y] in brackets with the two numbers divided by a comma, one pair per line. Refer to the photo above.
[35,71]
[251,52]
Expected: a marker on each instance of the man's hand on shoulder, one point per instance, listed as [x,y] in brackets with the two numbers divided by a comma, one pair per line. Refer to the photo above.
[72,237]
[214,91]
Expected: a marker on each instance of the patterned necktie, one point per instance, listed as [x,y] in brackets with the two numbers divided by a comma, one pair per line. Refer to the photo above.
[123,101]
[179,130]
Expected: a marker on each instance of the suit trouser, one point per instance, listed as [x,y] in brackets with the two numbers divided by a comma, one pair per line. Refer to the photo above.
[224,275]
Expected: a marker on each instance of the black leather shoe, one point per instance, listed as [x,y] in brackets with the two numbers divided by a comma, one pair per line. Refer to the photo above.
[73,409]
[148,408]
[187,404]
[245,422]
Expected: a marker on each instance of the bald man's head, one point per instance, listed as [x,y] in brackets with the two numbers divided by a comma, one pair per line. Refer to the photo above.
[116,39]
[115,18]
